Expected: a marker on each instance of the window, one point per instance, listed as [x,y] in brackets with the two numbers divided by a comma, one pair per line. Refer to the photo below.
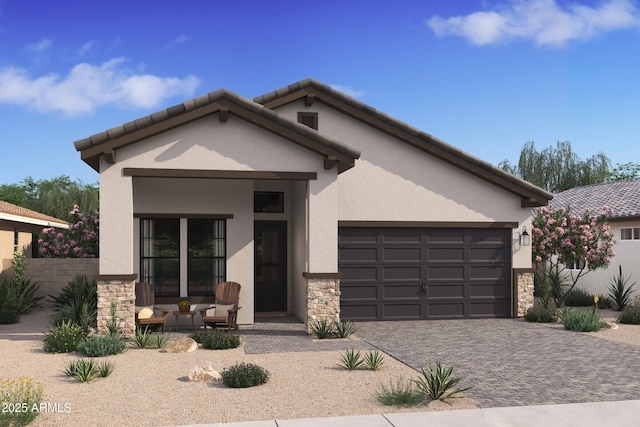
[577,265]
[264,201]
[630,234]
[160,255]
[206,255]
[161,246]
[309,119]
[16,239]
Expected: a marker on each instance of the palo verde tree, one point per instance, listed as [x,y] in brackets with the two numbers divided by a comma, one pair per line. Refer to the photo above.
[565,247]
[558,168]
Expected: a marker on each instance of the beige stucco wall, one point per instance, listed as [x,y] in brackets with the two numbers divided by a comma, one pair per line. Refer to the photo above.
[395,182]
[627,254]
[7,247]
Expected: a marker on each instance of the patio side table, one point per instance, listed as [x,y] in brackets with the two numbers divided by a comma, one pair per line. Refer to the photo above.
[177,315]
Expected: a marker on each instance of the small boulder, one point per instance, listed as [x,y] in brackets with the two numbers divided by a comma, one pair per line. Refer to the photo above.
[184,345]
[204,374]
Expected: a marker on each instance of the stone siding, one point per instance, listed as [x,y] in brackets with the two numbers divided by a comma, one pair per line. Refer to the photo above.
[525,288]
[323,300]
[122,291]
[53,274]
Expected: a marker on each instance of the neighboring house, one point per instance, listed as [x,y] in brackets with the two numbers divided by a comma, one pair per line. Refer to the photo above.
[16,225]
[624,198]
[318,204]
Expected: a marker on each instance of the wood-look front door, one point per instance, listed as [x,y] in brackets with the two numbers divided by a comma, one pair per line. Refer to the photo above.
[270,269]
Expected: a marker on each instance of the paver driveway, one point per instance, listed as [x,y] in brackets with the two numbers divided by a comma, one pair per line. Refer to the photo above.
[510,362]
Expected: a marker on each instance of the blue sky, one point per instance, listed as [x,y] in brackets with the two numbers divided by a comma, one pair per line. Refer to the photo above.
[485,76]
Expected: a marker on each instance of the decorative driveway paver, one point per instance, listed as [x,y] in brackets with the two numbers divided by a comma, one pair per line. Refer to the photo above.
[510,362]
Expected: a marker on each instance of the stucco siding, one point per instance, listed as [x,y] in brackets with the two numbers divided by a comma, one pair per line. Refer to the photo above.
[209,144]
[627,255]
[393,181]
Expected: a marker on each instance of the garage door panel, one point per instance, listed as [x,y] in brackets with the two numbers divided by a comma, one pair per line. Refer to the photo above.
[400,254]
[487,236]
[361,312]
[359,274]
[445,254]
[399,273]
[445,291]
[357,255]
[402,311]
[400,291]
[445,310]
[358,235]
[489,272]
[488,309]
[427,273]
[489,290]
[440,272]
[360,292]
[399,235]
[494,254]
[445,235]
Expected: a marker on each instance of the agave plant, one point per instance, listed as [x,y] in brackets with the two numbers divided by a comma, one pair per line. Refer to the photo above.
[439,383]
[620,290]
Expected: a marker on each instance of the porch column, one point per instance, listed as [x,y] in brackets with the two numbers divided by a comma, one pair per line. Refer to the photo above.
[523,293]
[322,277]
[116,280]
[121,291]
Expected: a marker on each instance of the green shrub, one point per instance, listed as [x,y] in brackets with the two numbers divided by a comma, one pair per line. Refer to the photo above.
[101,345]
[630,315]
[200,335]
[344,329]
[17,399]
[374,360]
[141,338]
[439,383]
[582,320]
[159,341]
[540,313]
[604,302]
[77,302]
[351,360]
[620,290]
[86,370]
[216,339]
[577,297]
[323,329]
[64,338]
[400,393]
[8,315]
[244,375]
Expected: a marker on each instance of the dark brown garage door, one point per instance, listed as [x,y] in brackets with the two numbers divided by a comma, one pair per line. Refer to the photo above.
[424,273]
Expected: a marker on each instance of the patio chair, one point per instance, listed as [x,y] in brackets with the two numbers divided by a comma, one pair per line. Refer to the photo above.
[146,309]
[225,310]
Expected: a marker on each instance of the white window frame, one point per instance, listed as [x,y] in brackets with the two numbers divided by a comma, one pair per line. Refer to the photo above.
[635,233]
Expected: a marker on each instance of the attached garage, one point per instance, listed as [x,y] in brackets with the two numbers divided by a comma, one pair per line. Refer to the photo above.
[403,273]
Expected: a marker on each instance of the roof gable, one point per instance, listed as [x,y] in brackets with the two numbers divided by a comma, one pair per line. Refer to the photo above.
[311,91]
[223,103]
[621,196]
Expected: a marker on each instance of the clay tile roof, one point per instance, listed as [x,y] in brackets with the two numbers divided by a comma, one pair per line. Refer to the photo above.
[622,196]
[28,214]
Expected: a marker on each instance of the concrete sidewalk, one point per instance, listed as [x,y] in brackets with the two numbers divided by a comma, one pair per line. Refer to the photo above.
[596,414]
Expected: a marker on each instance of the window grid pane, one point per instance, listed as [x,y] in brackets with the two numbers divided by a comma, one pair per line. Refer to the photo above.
[206,259]
[160,255]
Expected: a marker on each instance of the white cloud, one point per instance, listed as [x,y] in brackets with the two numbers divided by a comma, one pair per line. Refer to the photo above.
[40,46]
[88,87]
[348,91]
[542,21]
[86,48]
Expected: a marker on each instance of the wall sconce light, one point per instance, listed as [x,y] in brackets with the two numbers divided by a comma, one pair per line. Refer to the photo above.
[525,239]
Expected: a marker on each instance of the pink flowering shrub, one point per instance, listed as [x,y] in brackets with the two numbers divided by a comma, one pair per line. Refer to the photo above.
[79,241]
[560,238]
